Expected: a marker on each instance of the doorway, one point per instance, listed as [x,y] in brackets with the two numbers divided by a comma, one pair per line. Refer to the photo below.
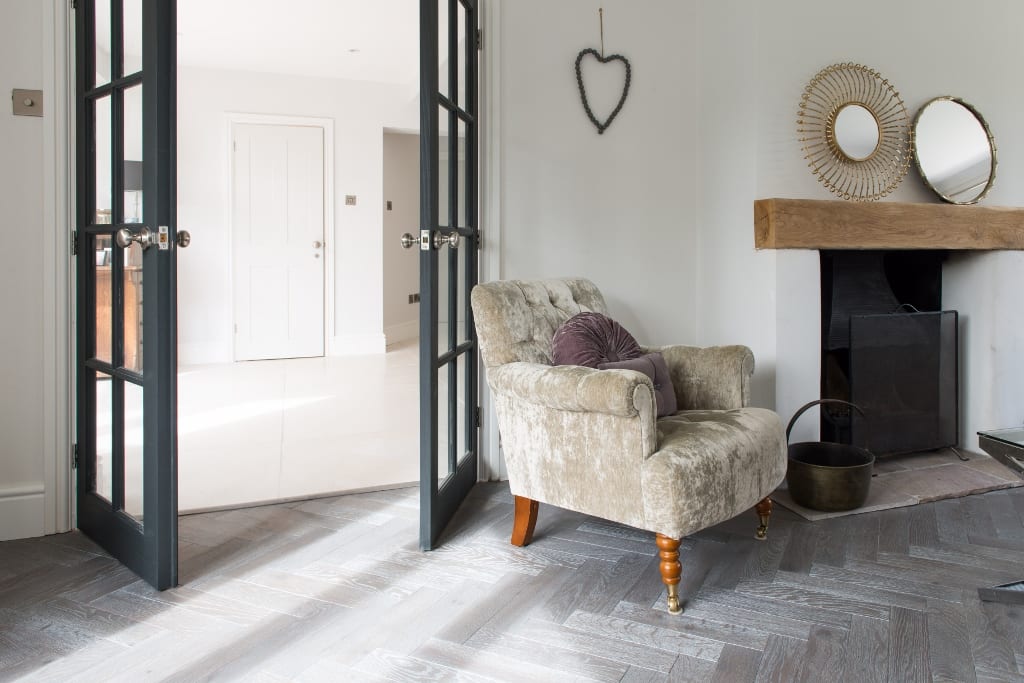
[279,175]
[292,423]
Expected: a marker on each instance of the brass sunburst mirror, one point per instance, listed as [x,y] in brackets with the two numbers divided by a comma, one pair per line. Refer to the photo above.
[855,132]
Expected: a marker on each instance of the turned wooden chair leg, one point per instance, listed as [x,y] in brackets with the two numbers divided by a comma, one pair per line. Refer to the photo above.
[764,511]
[525,520]
[668,551]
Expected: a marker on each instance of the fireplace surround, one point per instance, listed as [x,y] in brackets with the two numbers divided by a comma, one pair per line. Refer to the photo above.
[888,348]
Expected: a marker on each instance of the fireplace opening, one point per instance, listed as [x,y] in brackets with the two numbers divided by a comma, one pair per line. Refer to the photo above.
[888,348]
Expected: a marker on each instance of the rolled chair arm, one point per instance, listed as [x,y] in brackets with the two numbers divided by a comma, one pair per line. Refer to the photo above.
[574,388]
[710,378]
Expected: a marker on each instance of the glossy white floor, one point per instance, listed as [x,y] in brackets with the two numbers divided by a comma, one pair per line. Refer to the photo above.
[282,429]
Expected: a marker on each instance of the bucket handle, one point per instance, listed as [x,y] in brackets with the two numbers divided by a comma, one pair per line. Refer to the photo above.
[804,408]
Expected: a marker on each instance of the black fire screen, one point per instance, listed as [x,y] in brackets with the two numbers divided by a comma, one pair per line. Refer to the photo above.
[903,375]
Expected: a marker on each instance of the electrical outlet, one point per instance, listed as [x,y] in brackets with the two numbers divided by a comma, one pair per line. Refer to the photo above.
[414,298]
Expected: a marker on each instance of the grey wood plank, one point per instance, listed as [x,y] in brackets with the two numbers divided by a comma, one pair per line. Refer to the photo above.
[969,559]
[989,647]
[949,649]
[737,665]
[1001,542]
[886,583]
[908,646]
[625,652]
[565,661]
[769,606]
[62,668]
[804,541]
[893,531]
[949,518]
[607,590]
[694,622]
[688,670]
[589,579]
[943,573]
[867,651]
[620,543]
[782,660]
[1008,622]
[646,635]
[834,537]
[813,598]
[923,525]
[977,517]
[496,666]
[476,610]
[729,565]
[263,645]
[839,588]
[862,543]
[986,675]
[533,601]
[635,674]
[826,651]
[648,588]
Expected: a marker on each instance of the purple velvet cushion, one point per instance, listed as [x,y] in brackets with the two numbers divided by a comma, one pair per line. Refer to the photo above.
[589,339]
[654,366]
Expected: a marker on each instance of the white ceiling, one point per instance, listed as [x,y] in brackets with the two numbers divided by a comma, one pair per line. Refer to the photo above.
[304,37]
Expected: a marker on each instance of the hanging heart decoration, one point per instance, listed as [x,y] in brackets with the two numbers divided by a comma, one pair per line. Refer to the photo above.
[601,127]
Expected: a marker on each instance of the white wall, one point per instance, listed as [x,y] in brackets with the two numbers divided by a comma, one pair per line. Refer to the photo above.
[619,208]
[658,211]
[401,266]
[30,287]
[360,112]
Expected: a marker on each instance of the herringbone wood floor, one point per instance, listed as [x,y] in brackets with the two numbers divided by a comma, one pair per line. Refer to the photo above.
[335,590]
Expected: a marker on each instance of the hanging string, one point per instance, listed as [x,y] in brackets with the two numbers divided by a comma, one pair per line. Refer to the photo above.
[600,14]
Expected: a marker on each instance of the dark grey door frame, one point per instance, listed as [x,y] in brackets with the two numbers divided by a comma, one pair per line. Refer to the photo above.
[439,499]
[149,548]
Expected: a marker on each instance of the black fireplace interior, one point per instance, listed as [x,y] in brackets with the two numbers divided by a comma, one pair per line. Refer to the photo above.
[888,348]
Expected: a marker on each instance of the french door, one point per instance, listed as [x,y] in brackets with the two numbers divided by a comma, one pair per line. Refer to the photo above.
[448,243]
[125,241]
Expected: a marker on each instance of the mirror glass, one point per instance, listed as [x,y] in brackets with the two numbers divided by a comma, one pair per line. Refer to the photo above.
[856,132]
[954,150]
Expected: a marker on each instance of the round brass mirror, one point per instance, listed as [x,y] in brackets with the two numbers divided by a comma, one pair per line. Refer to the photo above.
[954,150]
[855,132]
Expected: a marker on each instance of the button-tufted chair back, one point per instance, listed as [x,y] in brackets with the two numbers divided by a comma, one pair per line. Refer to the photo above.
[516,319]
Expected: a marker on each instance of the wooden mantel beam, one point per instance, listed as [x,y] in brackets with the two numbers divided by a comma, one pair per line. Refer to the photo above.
[827,224]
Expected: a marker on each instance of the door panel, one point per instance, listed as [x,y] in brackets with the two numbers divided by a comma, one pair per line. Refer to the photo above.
[448,260]
[278,223]
[126,398]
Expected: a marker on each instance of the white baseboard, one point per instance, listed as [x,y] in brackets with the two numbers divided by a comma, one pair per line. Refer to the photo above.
[204,353]
[358,344]
[22,511]
[402,332]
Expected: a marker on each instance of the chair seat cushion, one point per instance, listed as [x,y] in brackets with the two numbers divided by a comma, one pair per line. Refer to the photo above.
[711,465]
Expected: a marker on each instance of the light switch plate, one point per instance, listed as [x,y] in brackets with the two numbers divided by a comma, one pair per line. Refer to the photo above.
[27,102]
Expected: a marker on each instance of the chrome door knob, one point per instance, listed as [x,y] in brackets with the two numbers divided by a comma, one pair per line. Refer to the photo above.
[408,240]
[184,238]
[144,237]
[317,244]
[452,240]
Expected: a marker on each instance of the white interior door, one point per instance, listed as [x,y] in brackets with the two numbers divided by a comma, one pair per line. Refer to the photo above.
[278,240]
